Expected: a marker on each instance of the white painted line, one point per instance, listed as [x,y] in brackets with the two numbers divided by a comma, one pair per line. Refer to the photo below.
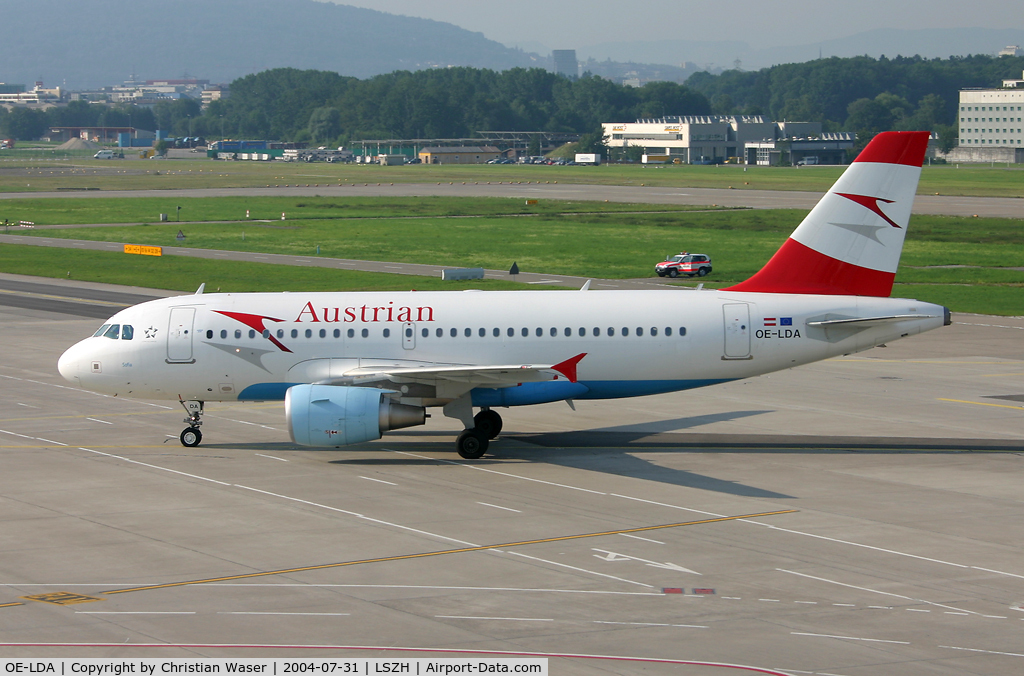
[850,638]
[100,421]
[134,612]
[654,624]
[380,481]
[271,457]
[223,612]
[508,509]
[976,650]
[874,591]
[492,471]
[506,619]
[146,464]
[637,537]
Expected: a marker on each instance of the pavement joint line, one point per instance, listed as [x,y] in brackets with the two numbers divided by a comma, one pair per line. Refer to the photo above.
[460,550]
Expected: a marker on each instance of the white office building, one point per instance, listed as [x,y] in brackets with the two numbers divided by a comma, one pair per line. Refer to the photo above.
[991,124]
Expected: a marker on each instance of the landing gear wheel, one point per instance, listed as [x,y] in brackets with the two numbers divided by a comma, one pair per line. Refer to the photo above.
[471,444]
[190,437]
[673,273]
[488,422]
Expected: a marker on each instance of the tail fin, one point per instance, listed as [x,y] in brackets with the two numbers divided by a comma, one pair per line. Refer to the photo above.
[850,243]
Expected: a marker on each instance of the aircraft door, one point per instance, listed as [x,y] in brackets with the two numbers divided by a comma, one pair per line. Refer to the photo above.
[409,336]
[737,330]
[179,335]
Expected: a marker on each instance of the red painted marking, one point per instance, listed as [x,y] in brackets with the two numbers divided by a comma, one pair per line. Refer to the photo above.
[872,204]
[896,147]
[568,367]
[254,322]
[796,268]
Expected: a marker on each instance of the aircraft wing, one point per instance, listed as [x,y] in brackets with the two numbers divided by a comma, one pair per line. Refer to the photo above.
[487,375]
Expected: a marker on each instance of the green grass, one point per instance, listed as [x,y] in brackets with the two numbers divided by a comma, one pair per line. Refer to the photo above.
[51,174]
[178,273]
[558,239]
[199,209]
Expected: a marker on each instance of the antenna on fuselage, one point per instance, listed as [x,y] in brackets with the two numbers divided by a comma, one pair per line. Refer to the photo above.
[199,291]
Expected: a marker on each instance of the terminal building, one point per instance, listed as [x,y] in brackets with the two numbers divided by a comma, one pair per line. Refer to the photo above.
[713,139]
[991,123]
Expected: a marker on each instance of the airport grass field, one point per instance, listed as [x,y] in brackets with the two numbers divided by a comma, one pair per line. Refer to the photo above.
[967,264]
[47,171]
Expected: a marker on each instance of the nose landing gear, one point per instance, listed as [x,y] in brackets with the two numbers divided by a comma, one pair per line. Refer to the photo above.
[191,436]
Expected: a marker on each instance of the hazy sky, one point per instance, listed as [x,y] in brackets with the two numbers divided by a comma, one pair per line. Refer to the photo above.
[762,23]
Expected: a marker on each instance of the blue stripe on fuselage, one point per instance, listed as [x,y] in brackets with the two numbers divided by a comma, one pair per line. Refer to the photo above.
[529,393]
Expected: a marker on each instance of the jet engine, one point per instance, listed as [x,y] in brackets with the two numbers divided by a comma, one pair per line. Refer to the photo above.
[329,415]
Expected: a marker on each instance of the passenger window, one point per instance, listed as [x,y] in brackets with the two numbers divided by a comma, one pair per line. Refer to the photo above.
[100,331]
[127,332]
[113,331]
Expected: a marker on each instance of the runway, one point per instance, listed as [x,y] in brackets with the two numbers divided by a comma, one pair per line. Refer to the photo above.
[949,205]
[857,516]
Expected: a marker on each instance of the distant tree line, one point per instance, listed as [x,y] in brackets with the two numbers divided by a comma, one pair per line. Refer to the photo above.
[860,94]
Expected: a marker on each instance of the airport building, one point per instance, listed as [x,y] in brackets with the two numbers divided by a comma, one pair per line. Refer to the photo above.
[991,123]
[718,138]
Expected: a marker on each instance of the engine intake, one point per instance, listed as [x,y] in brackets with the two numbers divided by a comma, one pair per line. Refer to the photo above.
[328,415]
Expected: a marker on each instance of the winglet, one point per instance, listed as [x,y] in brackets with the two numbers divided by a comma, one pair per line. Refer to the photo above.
[568,367]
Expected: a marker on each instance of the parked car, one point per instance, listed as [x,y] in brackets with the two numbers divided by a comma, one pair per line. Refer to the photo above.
[684,264]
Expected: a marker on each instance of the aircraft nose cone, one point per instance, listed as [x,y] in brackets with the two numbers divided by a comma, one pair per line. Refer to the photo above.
[69,364]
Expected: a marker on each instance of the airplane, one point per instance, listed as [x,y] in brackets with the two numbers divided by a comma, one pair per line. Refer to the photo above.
[351,366]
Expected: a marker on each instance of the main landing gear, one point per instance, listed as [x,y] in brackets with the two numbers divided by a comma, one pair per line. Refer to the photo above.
[473,442]
[191,436]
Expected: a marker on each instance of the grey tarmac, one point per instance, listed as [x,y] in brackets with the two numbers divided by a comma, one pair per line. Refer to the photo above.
[903,555]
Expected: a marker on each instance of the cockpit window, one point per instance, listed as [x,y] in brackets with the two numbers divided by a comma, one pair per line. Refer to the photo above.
[100,331]
[113,331]
[127,332]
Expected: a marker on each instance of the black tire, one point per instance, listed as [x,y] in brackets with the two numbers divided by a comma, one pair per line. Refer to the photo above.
[190,437]
[488,422]
[702,272]
[471,444]
[673,273]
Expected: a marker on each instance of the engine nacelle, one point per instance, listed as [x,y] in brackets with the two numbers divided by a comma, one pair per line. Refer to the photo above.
[328,415]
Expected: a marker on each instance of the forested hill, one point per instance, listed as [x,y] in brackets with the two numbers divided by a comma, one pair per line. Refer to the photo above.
[915,93]
[92,43]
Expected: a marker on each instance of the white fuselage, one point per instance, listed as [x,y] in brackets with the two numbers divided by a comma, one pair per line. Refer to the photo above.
[213,347]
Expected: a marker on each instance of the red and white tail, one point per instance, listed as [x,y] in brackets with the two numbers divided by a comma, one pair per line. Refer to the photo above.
[850,243]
